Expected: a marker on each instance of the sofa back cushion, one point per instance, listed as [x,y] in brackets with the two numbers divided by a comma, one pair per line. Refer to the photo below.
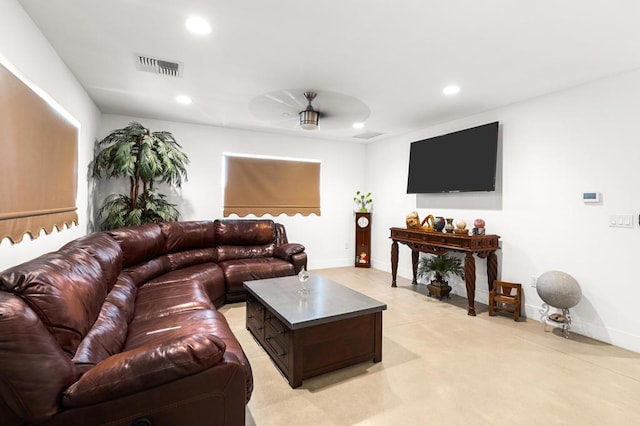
[105,250]
[240,239]
[65,289]
[281,235]
[33,368]
[181,236]
[139,243]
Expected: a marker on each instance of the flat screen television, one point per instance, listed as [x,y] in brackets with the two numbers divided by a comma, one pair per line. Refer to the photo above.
[462,161]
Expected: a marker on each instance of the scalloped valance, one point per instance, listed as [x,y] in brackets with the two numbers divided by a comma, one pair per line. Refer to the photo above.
[259,186]
[38,163]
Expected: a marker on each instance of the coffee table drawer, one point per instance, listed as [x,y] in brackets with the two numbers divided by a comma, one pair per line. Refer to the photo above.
[276,335]
[275,324]
[255,316]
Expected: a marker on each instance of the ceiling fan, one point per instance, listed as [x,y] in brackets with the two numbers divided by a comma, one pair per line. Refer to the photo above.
[308,109]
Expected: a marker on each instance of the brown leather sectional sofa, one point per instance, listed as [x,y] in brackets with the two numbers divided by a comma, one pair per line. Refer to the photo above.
[121,327]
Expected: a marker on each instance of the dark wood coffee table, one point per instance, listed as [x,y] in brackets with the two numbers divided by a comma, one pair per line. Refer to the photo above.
[306,335]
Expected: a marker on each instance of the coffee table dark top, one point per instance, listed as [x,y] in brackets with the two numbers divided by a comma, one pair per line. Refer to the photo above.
[326,301]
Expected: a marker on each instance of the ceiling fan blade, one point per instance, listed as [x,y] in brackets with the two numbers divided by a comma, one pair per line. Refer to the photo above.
[282,108]
[297,100]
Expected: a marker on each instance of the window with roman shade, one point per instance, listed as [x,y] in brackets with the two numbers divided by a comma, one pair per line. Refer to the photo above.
[261,185]
[38,155]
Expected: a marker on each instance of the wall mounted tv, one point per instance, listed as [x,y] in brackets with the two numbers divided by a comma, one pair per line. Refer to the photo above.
[462,161]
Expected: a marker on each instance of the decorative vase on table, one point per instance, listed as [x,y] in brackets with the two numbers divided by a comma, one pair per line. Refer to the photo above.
[461,227]
[449,226]
[303,277]
[438,224]
[478,227]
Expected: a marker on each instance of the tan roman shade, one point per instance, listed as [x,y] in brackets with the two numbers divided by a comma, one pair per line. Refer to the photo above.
[38,157]
[262,186]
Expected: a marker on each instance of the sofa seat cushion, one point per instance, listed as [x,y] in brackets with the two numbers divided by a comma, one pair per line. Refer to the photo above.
[179,325]
[208,275]
[171,297]
[156,330]
[237,271]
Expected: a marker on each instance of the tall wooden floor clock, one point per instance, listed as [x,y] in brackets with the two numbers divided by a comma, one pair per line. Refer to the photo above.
[363,240]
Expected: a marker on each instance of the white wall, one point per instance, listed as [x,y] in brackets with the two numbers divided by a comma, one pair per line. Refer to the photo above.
[553,148]
[24,48]
[329,238]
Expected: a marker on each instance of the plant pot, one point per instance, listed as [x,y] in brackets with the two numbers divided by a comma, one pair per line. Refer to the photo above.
[439,290]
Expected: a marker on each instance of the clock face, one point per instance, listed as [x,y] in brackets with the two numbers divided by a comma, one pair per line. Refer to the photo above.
[363,222]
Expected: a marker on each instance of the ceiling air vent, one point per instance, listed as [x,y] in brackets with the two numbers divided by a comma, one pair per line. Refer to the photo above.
[159,66]
[367,135]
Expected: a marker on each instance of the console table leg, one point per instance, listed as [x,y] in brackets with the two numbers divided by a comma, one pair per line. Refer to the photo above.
[492,268]
[415,255]
[470,280]
[394,263]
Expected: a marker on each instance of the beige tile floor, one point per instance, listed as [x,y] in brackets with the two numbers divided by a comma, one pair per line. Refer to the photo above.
[442,367]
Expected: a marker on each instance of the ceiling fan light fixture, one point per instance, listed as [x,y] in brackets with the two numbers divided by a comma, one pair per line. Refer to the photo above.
[309,117]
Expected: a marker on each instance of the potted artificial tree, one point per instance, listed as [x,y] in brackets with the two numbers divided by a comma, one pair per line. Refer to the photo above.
[145,158]
[439,267]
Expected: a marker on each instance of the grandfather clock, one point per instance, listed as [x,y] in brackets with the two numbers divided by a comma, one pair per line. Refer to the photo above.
[363,240]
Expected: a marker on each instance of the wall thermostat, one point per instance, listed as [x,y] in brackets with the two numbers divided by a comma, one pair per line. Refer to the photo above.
[591,197]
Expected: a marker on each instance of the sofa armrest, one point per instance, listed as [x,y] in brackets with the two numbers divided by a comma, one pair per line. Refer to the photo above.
[286,251]
[144,367]
[299,261]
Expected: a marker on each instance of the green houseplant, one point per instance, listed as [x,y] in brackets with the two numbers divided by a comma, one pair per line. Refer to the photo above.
[363,201]
[439,268]
[145,158]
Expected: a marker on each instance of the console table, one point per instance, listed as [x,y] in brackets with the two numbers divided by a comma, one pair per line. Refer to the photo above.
[438,243]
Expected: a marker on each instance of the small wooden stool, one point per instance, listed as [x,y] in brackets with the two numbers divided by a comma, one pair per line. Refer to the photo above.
[507,297]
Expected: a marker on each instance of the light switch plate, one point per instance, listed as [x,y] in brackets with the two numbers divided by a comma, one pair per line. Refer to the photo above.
[621,221]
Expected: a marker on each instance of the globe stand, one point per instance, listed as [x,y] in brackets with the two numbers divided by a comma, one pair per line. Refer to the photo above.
[556,320]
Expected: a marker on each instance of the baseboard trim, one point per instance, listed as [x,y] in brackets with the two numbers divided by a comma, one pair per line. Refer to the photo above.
[598,332]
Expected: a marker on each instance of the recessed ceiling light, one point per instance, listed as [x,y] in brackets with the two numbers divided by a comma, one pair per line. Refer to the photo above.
[184,100]
[198,25]
[451,90]
[358,125]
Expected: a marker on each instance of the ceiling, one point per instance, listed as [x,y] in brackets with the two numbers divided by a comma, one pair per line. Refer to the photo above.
[393,57]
